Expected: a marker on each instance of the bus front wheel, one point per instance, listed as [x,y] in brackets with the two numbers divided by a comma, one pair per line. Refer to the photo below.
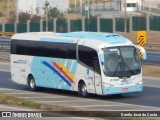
[82,90]
[32,84]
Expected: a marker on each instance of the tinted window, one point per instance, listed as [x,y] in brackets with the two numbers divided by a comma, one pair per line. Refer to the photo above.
[63,51]
[133,4]
[51,49]
[128,4]
[44,49]
[86,56]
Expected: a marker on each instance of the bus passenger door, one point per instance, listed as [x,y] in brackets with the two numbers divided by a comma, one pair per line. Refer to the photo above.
[97,76]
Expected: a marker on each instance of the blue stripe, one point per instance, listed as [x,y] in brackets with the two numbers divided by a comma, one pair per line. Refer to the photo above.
[57,72]
[57,40]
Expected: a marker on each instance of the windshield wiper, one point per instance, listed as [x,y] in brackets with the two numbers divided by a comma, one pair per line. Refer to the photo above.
[124,64]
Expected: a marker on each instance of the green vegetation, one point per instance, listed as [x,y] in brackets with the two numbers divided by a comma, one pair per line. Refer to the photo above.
[10,100]
[55,13]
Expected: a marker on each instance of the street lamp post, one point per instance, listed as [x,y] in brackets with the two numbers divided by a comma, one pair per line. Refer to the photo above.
[8,9]
[17,12]
[46,9]
[125,17]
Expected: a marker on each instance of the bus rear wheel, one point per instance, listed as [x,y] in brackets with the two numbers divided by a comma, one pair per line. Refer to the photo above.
[32,84]
[82,90]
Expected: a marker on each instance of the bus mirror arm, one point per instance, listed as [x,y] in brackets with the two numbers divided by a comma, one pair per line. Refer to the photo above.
[143,51]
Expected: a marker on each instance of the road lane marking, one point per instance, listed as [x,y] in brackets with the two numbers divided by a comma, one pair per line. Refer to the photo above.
[152,86]
[153,78]
[5,63]
[42,97]
[18,93]
[69,101]
[5,71]
[87,106]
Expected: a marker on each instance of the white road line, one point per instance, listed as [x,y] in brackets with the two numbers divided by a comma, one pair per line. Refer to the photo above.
[5,71]
[54,96]
[131,110]
[42,97]
[69,101]
[153,78]
[89,106]
[84,106]
[84,118]
[4,63]
[137,105]
[152,86]
[15,108]
[18,93]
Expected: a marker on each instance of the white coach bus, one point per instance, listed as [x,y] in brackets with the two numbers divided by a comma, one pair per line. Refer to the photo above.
[87,62]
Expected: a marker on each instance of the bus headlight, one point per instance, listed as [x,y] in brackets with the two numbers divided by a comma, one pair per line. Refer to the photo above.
[139,83]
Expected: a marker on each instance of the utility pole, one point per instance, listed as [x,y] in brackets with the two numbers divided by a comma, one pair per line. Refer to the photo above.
[8,9]
[125,17]
[75,5]
[46,10]
[17,12]
[81,6]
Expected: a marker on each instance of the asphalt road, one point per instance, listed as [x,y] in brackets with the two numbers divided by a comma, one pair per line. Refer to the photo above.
[153,58]
[147,100]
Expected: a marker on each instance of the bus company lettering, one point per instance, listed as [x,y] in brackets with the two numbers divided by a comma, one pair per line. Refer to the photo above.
[20,62]
[89,78]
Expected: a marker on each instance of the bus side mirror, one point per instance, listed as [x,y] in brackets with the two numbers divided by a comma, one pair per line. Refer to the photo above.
[101,55]
[143,51]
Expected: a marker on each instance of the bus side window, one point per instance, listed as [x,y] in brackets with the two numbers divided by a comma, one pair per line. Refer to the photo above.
[63,51]
[86,55]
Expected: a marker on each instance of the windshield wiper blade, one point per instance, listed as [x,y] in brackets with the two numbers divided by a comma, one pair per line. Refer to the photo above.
[124,64]
[116,69]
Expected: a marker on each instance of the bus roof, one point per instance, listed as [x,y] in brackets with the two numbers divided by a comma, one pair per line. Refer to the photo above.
[109,38]
[83,38]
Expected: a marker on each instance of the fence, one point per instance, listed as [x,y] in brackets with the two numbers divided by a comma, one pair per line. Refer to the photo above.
[134,23]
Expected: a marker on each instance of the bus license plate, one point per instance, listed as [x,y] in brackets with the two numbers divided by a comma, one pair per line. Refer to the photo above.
[124,89]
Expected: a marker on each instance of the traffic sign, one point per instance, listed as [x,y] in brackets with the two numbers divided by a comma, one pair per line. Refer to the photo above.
[141,39]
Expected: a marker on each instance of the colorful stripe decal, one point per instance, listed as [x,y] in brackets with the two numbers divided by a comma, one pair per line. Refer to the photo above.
[66,70]
[57,72]
[63,72]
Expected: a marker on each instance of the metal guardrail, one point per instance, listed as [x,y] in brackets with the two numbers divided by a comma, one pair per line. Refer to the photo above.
[5,47]
[153,45]
[5,57]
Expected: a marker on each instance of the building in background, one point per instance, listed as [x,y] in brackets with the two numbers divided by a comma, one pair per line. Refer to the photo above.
[28,6]
[62,5]
[37,6]
[131,5]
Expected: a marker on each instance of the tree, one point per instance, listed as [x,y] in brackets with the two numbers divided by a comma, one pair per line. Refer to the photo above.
[24,16]
[55,13]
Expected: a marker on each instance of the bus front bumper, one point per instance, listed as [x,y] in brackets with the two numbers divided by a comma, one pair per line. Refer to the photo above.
[122,90]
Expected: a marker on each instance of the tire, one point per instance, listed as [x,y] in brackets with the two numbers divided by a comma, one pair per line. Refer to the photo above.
[82,90]
[32,84]
[119,95]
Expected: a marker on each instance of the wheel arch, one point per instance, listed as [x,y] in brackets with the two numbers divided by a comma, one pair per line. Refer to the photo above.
[28,78]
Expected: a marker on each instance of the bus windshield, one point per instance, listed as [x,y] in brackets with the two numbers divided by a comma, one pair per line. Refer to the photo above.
[121,61]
